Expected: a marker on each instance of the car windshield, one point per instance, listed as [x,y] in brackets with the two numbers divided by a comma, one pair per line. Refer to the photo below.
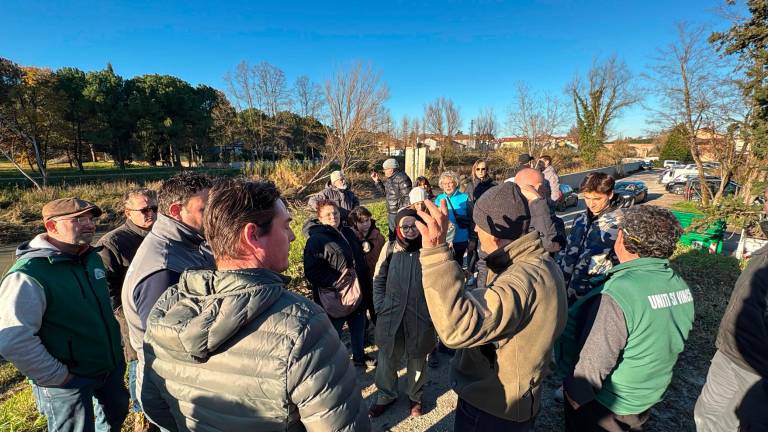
[626,186]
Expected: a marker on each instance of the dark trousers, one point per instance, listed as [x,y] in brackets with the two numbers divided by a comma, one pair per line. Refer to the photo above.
[70,407]
[356,324]
[458,252]
[470,419]
[595,417]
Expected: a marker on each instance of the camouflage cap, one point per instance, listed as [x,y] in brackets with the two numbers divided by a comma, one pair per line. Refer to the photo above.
[69,207]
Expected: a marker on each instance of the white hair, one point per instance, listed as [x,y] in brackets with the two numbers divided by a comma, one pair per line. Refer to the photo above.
[449,174]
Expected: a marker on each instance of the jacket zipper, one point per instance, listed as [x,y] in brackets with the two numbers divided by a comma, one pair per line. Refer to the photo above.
[80,284]
[101,312]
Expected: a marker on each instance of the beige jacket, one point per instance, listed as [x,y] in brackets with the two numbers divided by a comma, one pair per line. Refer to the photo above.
[505,331]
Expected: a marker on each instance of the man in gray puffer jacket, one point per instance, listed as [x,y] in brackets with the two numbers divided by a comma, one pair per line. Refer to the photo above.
[231,349]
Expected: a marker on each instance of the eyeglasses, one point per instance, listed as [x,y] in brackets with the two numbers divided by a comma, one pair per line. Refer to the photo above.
[481,169]
[145,210]
[405,228]
[82,220]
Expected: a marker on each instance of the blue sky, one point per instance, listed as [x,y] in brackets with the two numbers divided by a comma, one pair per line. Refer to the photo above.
[473,52]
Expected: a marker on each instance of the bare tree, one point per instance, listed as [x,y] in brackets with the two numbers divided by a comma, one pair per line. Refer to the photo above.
[686,76]
[243,87]
[536,117]
[486,126]
[271,89]
[598,100]
[308,97]
[355,99]
[442,119]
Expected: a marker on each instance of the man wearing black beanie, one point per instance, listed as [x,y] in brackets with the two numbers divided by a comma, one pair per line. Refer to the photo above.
[503,333]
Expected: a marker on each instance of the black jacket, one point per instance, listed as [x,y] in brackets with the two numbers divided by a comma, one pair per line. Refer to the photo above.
[477,187]
[344,198]
[395,190]
[743,334]
[328,252]
[118,249]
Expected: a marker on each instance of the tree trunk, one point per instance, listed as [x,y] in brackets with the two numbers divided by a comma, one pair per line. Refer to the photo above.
[705,192]
[18,167]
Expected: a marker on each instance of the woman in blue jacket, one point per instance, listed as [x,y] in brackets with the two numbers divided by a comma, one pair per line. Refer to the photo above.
[459,213]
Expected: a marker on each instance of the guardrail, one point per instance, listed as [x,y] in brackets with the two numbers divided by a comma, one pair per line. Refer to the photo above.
[574,179]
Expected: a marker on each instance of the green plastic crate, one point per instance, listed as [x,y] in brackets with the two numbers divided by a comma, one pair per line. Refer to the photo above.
[710,239]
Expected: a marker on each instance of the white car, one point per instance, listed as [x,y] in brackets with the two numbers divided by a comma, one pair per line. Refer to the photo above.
[681,172]
[669,162]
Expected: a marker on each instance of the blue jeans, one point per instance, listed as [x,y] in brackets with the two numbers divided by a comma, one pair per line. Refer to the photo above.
[70,407]
[356,323]
[470,419]
[132,385]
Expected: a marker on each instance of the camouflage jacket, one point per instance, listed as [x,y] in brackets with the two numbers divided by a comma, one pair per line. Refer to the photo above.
[590,247]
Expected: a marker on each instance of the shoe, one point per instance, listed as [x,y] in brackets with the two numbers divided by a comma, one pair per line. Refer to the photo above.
[415,409]
[366,361]
[558,396]
[378,409]
[432,360]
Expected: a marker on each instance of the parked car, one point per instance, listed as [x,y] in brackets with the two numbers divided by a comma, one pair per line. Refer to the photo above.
[570,198]
[634,191]
[670,162]
[678,185]
[693,188]
[646,165]
[676,173]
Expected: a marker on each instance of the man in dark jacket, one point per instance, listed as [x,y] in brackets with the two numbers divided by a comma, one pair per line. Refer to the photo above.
[395,187]
[735,396]
[336,190]
[118,247]
[174,245]
[543,217]
[56,323]
[231,349]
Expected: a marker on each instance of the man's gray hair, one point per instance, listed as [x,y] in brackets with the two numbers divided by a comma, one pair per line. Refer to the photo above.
[146,193]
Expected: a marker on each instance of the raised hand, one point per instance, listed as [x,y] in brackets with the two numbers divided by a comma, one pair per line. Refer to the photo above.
[375,176]
[435,226]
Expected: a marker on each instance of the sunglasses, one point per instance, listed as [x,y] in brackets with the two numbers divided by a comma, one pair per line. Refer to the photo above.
[145,210]
[481,169]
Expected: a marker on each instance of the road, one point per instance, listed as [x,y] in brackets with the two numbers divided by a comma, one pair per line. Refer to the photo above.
[656,195]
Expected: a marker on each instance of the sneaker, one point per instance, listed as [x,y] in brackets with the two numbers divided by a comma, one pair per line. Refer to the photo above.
[378,409]
[432,360]
[366,361]
[416,409]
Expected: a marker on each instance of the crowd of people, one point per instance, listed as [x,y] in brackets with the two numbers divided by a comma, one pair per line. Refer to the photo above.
[189,296]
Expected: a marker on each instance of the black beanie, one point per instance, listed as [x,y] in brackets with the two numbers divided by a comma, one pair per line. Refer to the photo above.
[503,212]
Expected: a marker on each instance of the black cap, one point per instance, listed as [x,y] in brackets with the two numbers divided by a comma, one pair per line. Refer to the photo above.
[503,212]
[524,158]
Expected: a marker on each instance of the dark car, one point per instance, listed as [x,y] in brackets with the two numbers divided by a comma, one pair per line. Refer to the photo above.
[646,165]
[633,191]
[678,185]
[693,188]
[569,198]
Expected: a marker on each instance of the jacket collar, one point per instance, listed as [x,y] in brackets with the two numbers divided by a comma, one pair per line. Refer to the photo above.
[132,227]
[648,263]
[168,228]
[503,258]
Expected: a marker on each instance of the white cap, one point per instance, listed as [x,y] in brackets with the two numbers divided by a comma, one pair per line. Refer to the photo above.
[390,163]
[417,194]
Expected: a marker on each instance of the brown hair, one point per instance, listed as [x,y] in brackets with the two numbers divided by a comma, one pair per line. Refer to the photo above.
[232,204]
[478,162]
[597,182]
[357,213]
[546,158]
[325,203]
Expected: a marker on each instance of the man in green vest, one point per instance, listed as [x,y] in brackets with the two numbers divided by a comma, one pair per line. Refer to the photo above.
[622,339]
[56,323]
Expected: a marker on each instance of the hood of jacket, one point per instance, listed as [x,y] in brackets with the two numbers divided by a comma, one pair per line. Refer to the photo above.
[40,247]
[503,258]
[209,307]
[616,202]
